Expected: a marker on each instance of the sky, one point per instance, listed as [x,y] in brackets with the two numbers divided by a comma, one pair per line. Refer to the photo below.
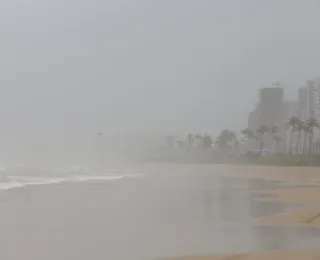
[71,68]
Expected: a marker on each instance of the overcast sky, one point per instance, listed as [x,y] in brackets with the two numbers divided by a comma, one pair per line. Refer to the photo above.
[167,65]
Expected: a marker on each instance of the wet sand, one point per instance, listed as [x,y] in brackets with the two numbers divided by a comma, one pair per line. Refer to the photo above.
[172,211]
[298,186]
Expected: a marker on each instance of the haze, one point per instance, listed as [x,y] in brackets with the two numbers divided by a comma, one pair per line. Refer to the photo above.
[72,68]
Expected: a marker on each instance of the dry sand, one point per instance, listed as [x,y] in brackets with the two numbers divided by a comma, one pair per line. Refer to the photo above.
[304,216]
[308,214]
[306,195]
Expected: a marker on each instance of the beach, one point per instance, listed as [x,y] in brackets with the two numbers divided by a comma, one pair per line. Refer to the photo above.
[281,255]
[164,211]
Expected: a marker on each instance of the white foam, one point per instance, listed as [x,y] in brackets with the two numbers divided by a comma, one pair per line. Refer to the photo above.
[11,182]
[95,178]
[136,175]
[10,185]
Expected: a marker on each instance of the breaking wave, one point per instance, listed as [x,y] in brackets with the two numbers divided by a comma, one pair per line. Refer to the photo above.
[10,180]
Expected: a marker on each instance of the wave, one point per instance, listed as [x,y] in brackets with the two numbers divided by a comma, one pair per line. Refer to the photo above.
[11,182]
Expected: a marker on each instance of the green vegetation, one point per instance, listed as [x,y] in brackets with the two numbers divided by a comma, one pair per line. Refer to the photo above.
[293,124]
[226,140]
[262,130]
[310,125]
[299,145]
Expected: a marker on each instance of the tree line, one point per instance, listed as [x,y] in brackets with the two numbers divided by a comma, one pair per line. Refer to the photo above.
[293,125]
[227,140]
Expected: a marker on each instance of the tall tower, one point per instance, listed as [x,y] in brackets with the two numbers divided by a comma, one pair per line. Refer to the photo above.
[303,104]
[270,112]
[313,104]
[271,106]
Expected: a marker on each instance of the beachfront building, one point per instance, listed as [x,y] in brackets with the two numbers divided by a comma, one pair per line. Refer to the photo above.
[313,105]
[270,111]
[309,107]
[273,110]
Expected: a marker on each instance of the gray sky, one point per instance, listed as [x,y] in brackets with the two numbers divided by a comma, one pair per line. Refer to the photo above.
[79,66]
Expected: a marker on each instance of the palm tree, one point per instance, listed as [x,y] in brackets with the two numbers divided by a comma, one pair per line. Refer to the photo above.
[206,142]
[236,146]
[190,141]
[217,143]
[311,124]
[181,145]
[198,140]
[233,140]
[262,130]
[274,131]
[248,134]
[292,123]
[299,129]
[305,130]
[224,139]
[277,140]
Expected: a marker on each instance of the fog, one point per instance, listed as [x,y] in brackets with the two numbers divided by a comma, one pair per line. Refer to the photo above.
[72,68]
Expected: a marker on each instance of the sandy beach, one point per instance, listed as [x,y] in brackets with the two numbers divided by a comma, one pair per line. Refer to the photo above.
[306,194]
[165,211]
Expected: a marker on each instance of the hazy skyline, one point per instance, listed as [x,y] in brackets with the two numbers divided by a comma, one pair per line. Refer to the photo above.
[86,66]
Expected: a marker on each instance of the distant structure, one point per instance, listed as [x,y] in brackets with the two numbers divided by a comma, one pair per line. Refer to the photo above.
[273,110]
[309,103]
[270,111]
[303,103]
[313,98]
[271,106]
[291,109]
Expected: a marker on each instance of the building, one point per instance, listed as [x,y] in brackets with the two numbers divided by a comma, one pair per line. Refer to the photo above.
[253,124]
[313,99]
[302,103]
[291,110]
[302,113]
[273,110]
[270,111]
[313,104]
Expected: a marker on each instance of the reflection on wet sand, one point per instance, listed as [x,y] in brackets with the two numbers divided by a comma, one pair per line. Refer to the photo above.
[287,206]
[173,210]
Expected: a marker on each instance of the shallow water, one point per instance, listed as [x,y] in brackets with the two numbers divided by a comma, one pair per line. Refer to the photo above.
[164,211]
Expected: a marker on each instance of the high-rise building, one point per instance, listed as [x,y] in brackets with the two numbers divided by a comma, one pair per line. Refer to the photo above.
[313,98]
[271,106]
[313,105]
[309,105]
[270,112]
[273,110]
[302,103]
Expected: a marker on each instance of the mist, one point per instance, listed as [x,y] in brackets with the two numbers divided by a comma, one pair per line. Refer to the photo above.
[135,69]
